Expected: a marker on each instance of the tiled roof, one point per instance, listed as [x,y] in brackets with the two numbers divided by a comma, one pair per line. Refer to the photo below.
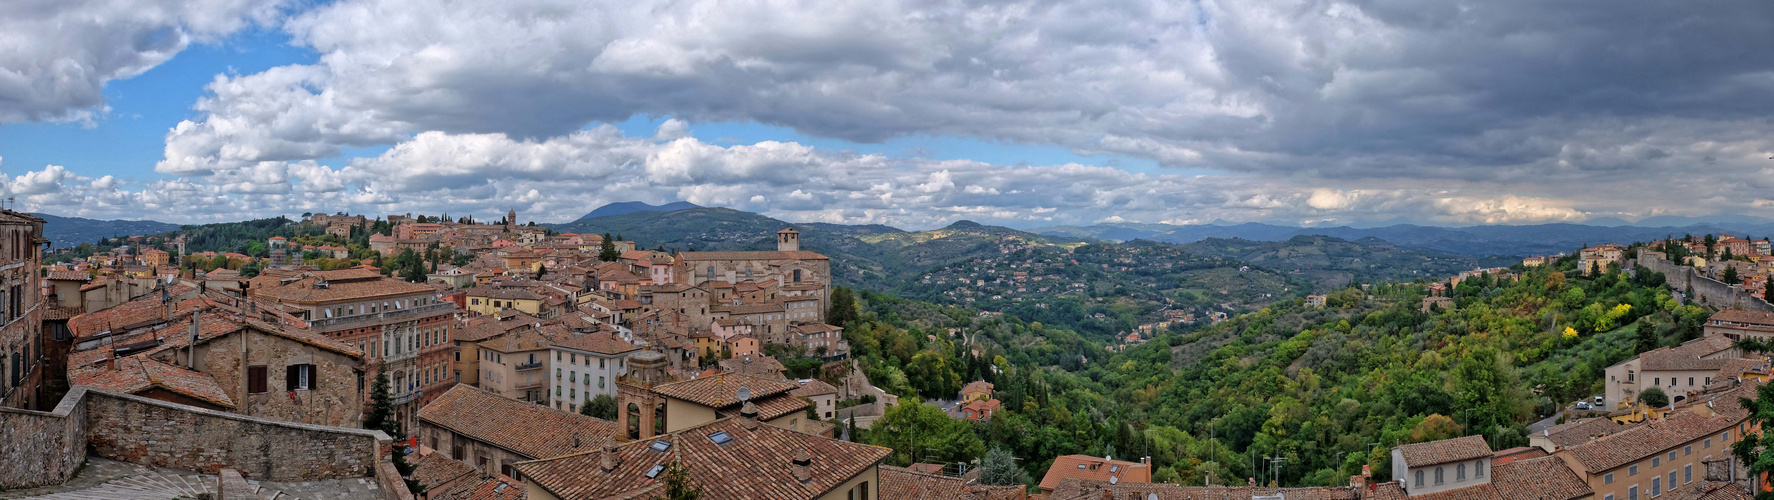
[1086,489]
[69,276]
[343,285]
[1686,356]
[1654,437]
[491,487]
[144,309]
[504,293]
[764,308]
[517,341]
[911,484]
[1478,492]
[771,255]
[1543,478]
[1743,316]
[1444,451]
[134,374]
[436,468]
[1578,432]
[773,407]
[1091,468]
[528,429]
[813,387]
[756,463]
[1516,454]
[722,390]
[601,342]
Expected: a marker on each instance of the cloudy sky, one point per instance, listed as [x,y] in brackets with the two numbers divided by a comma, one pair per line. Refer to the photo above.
[911,113]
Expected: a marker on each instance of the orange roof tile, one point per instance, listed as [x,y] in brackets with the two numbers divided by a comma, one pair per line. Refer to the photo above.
[527,429]
[1086,467]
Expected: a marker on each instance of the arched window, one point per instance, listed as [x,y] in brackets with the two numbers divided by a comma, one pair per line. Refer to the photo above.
[659,419]
[1419,479]
[1438,475]
[634,421]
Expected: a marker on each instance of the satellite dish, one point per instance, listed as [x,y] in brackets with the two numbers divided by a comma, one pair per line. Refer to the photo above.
[744,394]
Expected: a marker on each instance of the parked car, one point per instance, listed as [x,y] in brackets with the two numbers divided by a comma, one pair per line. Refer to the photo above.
[1582,405]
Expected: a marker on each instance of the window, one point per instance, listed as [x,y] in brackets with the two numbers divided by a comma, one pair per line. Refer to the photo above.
[1419,479]
[1687,474]
[1671,455]
[1726,438]
[1707,444]
[1632,493]
[255,379]
[1460,472]
[1690,380]
[1656,486]
[865,490]
[1657,381]
[600,363]
[1632,471]
[1672,482]
[1438,475]
[1687,450]
[299,377]
[600,382]
[1656,461]
[1609,497]
[1477,467]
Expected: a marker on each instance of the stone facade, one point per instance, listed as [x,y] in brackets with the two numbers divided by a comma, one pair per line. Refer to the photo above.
[1707,291]
[53,444]
[335,394]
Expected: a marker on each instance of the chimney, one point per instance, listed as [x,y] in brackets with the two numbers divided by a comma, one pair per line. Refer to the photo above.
[748,416]
[801,469]
[191,350]
[608,461]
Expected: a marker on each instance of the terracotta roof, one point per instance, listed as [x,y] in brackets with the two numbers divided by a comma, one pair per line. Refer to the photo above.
[1704,490]
[977,386]
[1477,492]
[754,463]
[343,285]
[435,469]
[1652,438]
[1742,316]
[771,407]
[1516,454]
[1578,432]
[1686,356]
[528,429]
[144,309]
[516,341]
[1091,468]
[1543,478]
[492,487]
[897,483]
[771,255]
[1085,489]
[69,276]
[722,391]
[813,387]
[1444,451]
[504,293]
[134,374]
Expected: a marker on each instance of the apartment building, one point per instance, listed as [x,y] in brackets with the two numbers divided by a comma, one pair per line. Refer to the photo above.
[21,311]
[586,365]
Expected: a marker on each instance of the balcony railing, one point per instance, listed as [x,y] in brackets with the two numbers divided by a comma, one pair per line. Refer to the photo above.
[529,366]
[333,324]
[529,385]
[407,398]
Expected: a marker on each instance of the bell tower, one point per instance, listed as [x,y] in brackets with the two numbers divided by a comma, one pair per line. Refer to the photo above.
[788,240]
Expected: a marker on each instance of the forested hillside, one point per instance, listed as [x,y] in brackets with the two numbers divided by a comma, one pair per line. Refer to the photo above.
[1330,388]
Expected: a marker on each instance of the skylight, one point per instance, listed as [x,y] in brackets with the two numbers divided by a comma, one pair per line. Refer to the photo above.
[720,437]
[654,472]
[659,446]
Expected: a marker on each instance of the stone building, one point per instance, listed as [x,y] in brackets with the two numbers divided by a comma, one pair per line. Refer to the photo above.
[21,310]
[806,273]
[402,327]
[492,432]
[214,351]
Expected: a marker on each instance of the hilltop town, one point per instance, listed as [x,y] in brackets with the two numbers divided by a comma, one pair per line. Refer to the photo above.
[422,357]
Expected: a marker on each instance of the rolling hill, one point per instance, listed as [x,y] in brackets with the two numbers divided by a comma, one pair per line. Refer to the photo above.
[1525,240]
[69,231]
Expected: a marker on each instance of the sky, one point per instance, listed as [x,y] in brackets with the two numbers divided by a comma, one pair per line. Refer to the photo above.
[1026,113]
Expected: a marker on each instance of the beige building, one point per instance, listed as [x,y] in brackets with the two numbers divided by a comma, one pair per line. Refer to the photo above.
[1438,466]
[1678,371]
[1659,457]
[515,365]
[1737,324]
[491,432]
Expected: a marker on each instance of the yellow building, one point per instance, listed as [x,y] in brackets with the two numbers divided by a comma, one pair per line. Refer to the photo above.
[488,300]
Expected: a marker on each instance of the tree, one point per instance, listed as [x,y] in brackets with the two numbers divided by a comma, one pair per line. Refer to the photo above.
[380,418]
[1757,448]
[677,483]
[919,432]
[1768,290]
[607,251]
[843,309]
[541,270]
[1654,397]
[603,406]
[1730,277]
[1435,427]
[999,468]
[854,437]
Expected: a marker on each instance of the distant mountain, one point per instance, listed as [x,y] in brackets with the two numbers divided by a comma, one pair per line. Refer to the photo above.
[1527,240]
[629,207]
[69,231]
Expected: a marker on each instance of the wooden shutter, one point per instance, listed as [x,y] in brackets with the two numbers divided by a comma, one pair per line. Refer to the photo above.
[289,378]
[255,379]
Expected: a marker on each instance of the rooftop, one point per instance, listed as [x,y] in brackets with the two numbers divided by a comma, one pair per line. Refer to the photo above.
[1089,468]
[1444,451]
[528,429]
[722,390]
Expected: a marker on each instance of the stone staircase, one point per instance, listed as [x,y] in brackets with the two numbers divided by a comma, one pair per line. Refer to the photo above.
[153,485]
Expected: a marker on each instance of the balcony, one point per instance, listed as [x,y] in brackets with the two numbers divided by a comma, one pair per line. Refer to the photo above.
[530,385]
[407,398]
[384,317]
[537,365]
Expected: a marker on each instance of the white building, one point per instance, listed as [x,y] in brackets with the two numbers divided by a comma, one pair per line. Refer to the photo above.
[1438,466]
[586,365]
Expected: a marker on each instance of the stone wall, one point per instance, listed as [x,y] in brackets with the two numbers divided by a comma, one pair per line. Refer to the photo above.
[161,434]
[1707,291]
[42,448]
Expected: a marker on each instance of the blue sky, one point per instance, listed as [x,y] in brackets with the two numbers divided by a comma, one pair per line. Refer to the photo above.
[913,114]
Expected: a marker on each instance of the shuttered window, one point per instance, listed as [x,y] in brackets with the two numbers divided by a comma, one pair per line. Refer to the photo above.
[255,379]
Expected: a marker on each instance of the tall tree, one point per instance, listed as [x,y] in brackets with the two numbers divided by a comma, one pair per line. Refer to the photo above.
[541,270]
[603,406]
[1756,450]
[999,468]
[607,251]
[1730,277]
[843,309]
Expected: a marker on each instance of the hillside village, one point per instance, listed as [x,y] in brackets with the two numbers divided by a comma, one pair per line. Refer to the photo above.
[507,360]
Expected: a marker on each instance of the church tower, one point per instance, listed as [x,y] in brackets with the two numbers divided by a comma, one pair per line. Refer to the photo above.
[511,219]
[788,240]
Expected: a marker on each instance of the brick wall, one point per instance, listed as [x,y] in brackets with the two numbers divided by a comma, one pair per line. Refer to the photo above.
[42,448]
[161,434]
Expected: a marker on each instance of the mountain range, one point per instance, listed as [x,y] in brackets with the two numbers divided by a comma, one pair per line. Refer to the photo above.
[1524,240]
[628,207]
[69,231]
